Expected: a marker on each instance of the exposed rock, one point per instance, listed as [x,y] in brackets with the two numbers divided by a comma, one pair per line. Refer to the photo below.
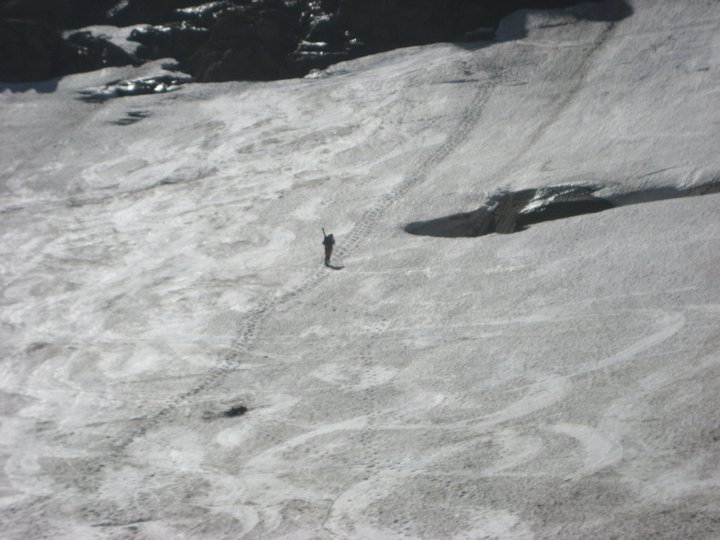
[59,14]
[176,40]
[384,25]
[250,44]
[131,12]
[206,14]
[274,39]
[83,51]
[249,39]
[134,87]
[32,51]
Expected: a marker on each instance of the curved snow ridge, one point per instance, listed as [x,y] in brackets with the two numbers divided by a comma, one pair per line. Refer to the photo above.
[666,326]
[347,515]
[539,396]
[259,484]
[601,449]
[518,449]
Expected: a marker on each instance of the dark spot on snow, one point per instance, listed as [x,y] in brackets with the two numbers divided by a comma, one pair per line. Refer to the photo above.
[127,524]
[11,209]
[507,212]
[36,346]
[237,410]
[232,412]
[132,118]
[133,87]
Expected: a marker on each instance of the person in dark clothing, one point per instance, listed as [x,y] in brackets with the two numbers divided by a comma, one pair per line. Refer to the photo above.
[328,242]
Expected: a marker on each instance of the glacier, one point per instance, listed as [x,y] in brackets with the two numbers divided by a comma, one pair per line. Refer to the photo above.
[176,361]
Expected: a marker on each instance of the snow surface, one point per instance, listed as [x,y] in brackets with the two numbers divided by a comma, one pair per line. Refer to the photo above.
[162,263]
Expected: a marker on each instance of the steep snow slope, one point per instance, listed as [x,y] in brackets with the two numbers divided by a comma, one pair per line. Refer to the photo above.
[161,266]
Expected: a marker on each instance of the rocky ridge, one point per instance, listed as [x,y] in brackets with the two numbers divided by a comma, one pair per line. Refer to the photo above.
[234,39]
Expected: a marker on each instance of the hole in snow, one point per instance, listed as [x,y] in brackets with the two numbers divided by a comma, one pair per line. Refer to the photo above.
[232,412]
[237,410]
[507,212]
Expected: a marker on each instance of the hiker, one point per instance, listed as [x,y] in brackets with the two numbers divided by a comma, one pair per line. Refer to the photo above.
[328,242]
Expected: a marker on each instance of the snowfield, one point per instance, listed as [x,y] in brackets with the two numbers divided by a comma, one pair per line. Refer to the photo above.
[176,362]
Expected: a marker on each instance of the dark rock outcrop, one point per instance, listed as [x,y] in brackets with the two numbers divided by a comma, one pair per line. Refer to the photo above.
[32,51]
[244,39]
[250,43]
[176,40]
[82,51]
[59,14]
[134,87]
